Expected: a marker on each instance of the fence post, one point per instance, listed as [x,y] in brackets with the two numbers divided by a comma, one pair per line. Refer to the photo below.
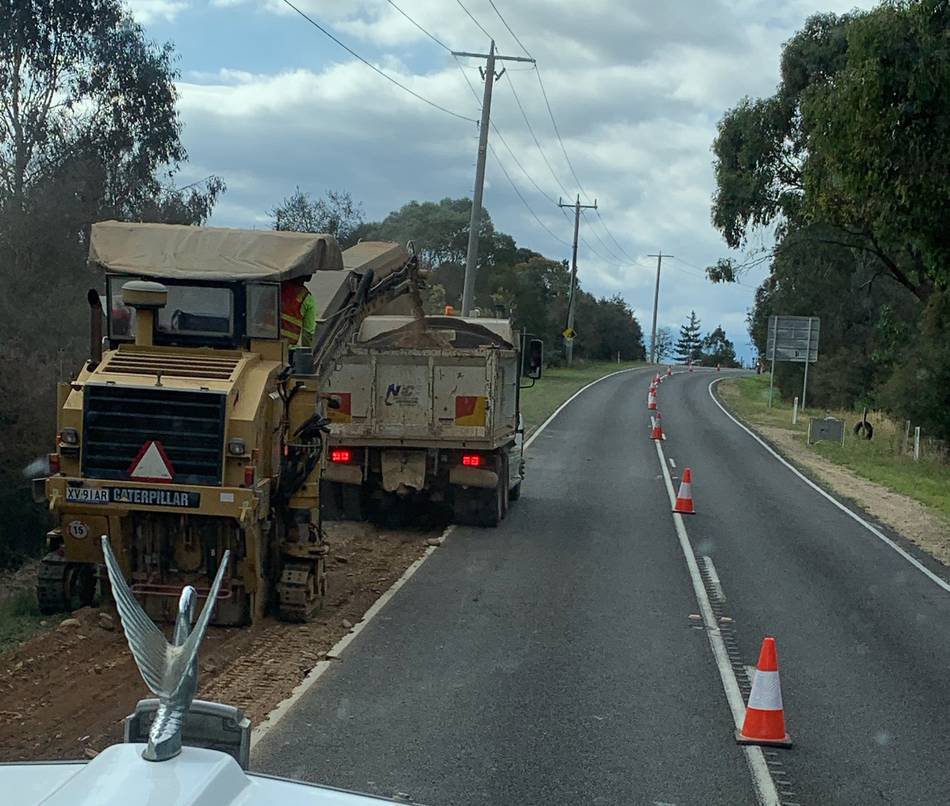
[906,437]
[795,411]
[917,444]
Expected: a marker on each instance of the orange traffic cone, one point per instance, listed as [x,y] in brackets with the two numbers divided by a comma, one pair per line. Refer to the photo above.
[684,498]
[669,371]
[657,379]
[765,717]
[690,366]
[717,367]
[651,400]
[657,432]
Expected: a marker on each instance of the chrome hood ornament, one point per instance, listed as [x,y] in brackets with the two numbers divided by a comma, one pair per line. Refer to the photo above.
[169,670]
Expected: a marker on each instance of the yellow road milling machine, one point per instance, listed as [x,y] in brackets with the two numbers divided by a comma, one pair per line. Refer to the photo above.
[194,428]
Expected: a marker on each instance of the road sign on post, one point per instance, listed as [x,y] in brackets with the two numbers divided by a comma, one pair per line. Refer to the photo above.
[795,339]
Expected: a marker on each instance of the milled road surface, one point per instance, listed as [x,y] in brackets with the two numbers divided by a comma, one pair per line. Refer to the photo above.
[553,660]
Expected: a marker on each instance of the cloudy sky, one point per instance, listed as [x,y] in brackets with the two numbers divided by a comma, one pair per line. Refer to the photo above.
[636,89]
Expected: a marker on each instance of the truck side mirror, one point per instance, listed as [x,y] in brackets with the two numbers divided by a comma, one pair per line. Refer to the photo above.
[534,359]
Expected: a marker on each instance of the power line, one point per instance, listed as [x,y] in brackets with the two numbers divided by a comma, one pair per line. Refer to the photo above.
[471,87]
[518,163]
[467,80]
[611,236]
[505,142]
[431,36]
[603,223]
[535,138]
[472,18]
[557,133]
[375,69]
[600,240]
[610,261]
[505,23]
[524,201]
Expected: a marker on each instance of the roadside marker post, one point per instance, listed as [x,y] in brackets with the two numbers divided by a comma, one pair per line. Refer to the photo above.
[795,411]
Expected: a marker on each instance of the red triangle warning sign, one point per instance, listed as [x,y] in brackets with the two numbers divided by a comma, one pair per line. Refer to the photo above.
[151,463]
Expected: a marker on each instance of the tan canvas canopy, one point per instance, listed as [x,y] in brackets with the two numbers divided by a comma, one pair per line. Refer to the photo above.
[210,253]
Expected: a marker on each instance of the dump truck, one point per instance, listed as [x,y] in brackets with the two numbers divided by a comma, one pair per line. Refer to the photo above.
[429,407]
[194,428]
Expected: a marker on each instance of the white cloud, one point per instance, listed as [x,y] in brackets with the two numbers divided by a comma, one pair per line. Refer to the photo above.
[148,11]
[637,88]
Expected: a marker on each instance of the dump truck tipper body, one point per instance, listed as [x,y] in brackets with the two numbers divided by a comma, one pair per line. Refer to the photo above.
[432,411]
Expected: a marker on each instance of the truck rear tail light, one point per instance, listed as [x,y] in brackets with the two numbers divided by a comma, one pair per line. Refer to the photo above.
[471,460]
[54,465]
[249,476]
[341,455]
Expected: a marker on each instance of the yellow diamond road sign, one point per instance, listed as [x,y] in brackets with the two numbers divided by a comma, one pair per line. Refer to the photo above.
[569,333]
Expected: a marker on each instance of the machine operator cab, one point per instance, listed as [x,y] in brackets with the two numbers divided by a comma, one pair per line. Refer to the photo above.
[180,286]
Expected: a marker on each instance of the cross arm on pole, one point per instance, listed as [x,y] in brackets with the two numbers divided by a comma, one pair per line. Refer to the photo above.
[497,57]
[577,205]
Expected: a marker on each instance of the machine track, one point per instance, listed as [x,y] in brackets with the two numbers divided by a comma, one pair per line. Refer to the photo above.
[302,587]
[63,586]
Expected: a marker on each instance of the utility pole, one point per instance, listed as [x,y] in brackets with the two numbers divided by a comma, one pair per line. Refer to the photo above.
[488,74]
[569,330]
[656,299]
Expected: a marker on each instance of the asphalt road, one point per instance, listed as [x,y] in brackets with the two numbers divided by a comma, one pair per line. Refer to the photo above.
[554,660]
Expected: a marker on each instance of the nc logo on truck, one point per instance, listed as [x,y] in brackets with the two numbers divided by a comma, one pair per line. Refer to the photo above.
[401,395]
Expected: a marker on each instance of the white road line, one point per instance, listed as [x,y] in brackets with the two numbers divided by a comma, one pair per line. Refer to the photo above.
[765,790]
[282,708]
[873,530]
[557,411]
[714,578]
[750,673]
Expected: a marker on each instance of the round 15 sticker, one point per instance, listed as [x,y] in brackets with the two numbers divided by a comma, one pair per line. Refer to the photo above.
[78,529]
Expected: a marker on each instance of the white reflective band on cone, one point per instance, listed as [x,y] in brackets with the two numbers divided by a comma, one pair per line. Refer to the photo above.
[766,692]
[686,490]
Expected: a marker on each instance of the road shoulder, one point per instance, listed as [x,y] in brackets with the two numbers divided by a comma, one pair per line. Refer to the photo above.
[900,514]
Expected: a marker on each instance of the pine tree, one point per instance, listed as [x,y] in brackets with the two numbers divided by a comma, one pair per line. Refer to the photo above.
[689,345]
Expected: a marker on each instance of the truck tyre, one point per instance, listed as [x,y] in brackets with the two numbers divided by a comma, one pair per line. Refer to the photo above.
[493,504]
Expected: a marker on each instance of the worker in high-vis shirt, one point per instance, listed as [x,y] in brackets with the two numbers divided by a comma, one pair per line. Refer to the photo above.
[298,312]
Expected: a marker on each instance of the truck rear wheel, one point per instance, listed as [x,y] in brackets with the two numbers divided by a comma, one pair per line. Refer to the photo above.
[354,502]
[478,507]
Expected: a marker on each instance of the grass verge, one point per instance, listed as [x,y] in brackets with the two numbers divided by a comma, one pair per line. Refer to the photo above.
[881,460]
[558,384]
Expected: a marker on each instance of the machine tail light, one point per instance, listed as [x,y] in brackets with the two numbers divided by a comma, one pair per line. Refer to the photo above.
[54,464]
[341,455]
[472,460]
[249,476]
